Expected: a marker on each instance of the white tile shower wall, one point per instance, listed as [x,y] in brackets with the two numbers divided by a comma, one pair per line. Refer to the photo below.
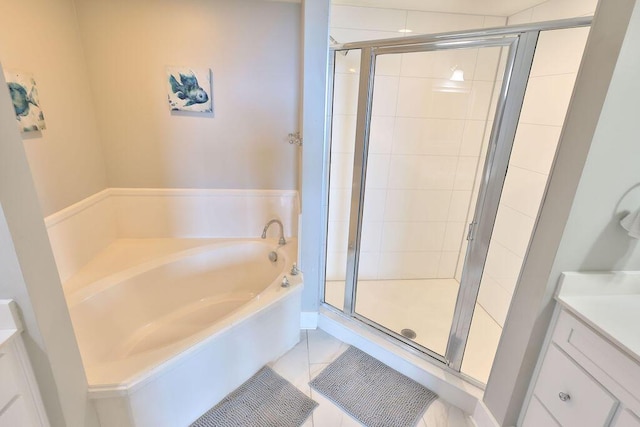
[550,86]
[79,232]
[423,159]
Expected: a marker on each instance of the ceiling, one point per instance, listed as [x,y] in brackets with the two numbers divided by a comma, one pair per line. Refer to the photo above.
[475,7]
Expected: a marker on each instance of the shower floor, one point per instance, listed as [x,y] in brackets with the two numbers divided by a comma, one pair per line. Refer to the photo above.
[425,306]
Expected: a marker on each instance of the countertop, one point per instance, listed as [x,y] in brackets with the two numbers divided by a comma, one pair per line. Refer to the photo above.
[608,302]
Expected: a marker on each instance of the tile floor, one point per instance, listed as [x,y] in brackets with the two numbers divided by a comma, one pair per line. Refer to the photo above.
[314,352]
[425,306]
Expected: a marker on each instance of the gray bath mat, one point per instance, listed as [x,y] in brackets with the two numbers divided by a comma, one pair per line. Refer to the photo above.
[371,392]
[265,400]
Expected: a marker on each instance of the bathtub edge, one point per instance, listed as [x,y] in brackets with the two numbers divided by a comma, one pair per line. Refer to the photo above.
[139,381]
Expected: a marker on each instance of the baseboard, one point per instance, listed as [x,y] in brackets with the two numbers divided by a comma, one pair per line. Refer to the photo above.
[309,320]
[483,417]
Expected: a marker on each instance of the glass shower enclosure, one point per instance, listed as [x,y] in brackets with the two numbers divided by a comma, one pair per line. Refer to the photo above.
[421,133]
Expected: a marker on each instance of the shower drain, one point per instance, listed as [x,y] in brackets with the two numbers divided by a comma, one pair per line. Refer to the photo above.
[408,333]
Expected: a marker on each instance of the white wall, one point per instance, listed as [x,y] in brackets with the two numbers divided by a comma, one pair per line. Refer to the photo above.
[30,277]
[357,23]
[577,229]
[423,156]
[315,16]
[551,82]
[554,9]
[66,159]
[100,69]
[253,49]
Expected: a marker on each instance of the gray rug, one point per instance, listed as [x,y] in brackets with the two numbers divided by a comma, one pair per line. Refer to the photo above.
[371,392]
[265,400]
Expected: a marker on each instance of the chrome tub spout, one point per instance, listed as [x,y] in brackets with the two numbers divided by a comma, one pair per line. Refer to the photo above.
[282,240]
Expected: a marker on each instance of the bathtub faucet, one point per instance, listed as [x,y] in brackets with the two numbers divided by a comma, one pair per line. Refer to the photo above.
[282,241]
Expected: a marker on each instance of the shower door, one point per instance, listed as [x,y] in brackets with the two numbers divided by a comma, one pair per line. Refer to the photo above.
[422,140]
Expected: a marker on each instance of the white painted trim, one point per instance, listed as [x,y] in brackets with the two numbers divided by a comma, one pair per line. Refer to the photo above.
[452,389]
[538,367]
[199,192]
[81,231]
[32,385]
[76,208]
[309,320]
[315,64]
[10,322]
[83,204]
[482,417]
[9,318]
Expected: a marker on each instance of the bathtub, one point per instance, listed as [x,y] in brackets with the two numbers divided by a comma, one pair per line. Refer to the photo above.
[172,332]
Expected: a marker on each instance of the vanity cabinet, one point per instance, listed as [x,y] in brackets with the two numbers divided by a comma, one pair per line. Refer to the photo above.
[20,402]
[627,419]
[584,379]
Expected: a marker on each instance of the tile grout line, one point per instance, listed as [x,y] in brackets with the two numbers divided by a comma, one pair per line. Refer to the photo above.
[306,333]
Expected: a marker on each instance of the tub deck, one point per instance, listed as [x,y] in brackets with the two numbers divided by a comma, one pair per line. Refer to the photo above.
[123,254]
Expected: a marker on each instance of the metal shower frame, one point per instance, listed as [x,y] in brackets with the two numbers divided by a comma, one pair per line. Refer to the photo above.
[521,41]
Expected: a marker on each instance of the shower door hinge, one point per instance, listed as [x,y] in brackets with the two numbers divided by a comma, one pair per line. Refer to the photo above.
[295,138]
[472,228]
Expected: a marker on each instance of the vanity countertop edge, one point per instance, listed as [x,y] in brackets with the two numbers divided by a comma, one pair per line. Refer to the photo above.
[608,302]
[10,324]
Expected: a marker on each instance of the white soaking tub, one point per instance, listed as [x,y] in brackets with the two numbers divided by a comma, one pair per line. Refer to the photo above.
[168,337]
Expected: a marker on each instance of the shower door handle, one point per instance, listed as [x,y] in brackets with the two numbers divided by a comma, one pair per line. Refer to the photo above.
[470,234]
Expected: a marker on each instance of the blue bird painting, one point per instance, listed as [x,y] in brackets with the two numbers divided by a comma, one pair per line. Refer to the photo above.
[186,93]
[24,95]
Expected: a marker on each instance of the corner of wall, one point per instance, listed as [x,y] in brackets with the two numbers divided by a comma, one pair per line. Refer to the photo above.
[32,280]
[523,334]
[316,43]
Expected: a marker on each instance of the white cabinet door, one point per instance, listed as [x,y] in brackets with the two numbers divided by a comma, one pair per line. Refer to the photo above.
[538,416]
[627,419]
[8,385]
[16,415]
[572,396]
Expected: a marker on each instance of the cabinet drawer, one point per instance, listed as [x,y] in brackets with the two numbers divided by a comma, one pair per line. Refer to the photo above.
[8,385]
[537,415]
[586,403]
[590,349]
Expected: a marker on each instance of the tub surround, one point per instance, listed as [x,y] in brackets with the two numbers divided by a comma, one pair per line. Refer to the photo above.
[134,369]
[81,231]
[209,339]
[154,381]
[209,370]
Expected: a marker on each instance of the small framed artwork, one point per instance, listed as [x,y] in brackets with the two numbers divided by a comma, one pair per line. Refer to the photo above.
[189,89]
[24,95]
